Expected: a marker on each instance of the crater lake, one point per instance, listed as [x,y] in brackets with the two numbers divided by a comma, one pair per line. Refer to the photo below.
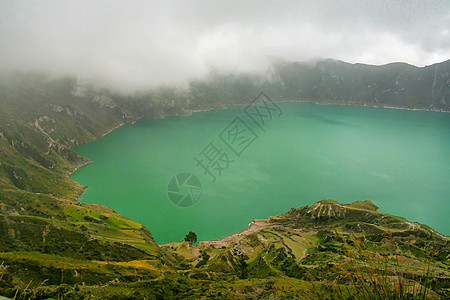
[399,159]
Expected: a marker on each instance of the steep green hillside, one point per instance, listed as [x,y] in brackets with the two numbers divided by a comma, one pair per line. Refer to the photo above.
[395,85]
[333,82]
[40,119]
[311,252]
[321,243]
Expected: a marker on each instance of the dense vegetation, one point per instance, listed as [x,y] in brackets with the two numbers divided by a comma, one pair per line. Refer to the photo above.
[52,246]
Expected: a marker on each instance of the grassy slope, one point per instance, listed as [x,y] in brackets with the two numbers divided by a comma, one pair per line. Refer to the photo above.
[319,244]
[40,218]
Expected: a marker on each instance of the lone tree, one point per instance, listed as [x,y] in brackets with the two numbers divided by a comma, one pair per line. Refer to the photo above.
[191,238]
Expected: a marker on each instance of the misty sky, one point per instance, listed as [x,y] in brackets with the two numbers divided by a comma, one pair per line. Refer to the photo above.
[140,44]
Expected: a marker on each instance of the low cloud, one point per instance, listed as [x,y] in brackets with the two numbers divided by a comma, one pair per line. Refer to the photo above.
[131,45]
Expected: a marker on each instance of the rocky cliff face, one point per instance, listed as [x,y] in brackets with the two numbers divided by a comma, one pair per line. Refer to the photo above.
[394,85]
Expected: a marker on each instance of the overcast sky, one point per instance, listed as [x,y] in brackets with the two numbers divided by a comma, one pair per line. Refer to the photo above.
[140,44]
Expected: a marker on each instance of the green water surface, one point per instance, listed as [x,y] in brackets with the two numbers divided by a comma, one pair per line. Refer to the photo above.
[399,159]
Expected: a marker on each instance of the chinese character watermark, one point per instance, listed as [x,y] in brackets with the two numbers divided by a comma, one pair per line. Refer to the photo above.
[238,136]
[213,161]
[185,189]
[262,109]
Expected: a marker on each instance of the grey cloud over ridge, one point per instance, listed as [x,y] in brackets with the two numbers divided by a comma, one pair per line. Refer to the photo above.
[140,44]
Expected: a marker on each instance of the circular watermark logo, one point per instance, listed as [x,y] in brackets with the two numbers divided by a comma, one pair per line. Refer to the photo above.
[184,189]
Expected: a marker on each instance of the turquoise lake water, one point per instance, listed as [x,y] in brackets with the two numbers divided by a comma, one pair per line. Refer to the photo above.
[399,159]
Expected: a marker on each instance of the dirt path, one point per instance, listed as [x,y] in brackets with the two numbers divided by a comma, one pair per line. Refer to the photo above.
[254,227]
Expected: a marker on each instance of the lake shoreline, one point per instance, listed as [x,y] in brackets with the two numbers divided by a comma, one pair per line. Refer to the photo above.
[189,113]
